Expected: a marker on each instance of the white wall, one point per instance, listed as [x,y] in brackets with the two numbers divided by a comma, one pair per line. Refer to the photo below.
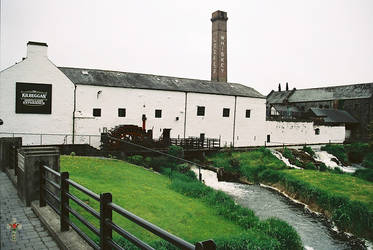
[250,131]
[36,68]
[136,102]
[303,132]
[172,103]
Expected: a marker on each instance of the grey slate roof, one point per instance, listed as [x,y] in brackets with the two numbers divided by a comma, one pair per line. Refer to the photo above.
[343,92]
[108,78]
[278,97]
[282,108]
[334,115]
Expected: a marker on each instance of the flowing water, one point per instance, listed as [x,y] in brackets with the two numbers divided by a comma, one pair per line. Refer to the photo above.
[314,231]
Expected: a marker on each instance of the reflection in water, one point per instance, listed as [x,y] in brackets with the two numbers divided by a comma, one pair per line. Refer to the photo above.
[315,234]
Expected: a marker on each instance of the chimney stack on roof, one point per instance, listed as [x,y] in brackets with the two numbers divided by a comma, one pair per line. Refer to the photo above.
[279,87]
[219,46]
[287,86]
[35,49]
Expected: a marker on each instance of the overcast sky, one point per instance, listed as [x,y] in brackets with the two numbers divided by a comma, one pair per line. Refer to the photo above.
[309,43]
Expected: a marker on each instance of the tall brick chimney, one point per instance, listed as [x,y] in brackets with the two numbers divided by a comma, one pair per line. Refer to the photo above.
[219,46]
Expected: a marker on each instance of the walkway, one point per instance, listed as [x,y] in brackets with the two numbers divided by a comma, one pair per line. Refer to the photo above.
[32,235]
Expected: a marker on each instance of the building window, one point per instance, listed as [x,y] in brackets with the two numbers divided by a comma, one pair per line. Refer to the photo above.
[158,113]
[317,131]
[248,113]
[121,112]
[268,138]
[200,111]
[97,112]
[225,112]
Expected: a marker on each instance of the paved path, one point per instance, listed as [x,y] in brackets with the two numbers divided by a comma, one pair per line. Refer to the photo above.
[32,235]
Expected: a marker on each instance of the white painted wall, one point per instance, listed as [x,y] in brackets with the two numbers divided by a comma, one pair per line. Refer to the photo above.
[303,132]
[250,131]
[136,102]
[36,68]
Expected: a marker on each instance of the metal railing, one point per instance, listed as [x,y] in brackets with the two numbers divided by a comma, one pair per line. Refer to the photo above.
[196,143]
[49,139]
[105,216]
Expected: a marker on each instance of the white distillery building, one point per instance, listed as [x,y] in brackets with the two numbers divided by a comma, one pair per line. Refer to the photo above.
[36,97]
[46,104]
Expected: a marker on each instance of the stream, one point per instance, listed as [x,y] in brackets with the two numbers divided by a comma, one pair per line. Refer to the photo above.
[314,231]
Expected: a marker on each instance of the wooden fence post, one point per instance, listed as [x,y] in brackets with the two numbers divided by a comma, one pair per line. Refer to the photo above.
[64,201]
[42,202]
[105,214]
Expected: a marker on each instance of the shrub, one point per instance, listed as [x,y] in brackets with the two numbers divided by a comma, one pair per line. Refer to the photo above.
[235,164]
[308,150]
[366,174]
[336,150]
[157,163]
[323,167]
[72,153]
[337,170]
[248,240]
[147,161]
[368,161]
[357,151]
[298,163]
[309,165]
[136,159]
[288,154]
[283,232]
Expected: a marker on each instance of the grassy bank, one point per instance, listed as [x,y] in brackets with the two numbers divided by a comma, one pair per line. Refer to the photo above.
[345,199]
[182,206]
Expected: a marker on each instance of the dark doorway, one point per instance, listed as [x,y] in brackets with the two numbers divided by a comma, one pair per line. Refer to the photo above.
[268,138]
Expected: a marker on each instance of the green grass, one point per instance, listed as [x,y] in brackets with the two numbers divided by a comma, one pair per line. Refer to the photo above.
[348,200]
[147,195]
[346,185]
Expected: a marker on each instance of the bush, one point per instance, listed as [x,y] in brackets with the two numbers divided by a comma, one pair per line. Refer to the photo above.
[368,161]
[366,174]
[157,163]
[235,164]
[357,151]
[308,150]
[147,161]
[309,165]
[336,150]
[136,159]
[288,154]
[323,167]
[337,170]
[72,153]
[283,232]
[248,240]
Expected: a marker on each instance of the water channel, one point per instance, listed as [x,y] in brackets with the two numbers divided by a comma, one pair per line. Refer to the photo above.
[314,231]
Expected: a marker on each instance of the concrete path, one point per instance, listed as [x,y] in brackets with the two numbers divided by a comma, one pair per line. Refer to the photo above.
[32,235]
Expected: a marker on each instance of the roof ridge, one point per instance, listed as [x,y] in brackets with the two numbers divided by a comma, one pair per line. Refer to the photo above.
[126,72]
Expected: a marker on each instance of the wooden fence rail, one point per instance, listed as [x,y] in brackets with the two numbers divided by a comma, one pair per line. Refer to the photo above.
[105,216]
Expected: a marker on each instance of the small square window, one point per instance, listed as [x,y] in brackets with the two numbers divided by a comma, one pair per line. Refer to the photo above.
[248,113]
[97,112]
[200,111]
[158,113]
[121,112]
[225,112]
[317,131]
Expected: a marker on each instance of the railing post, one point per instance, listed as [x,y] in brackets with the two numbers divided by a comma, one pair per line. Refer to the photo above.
[42,202]
[105,214]
[64,201]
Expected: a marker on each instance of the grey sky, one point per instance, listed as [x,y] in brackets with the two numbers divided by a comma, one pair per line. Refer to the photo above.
[306,43]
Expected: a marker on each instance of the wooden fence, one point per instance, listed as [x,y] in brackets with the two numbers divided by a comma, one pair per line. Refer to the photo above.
[60,205]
